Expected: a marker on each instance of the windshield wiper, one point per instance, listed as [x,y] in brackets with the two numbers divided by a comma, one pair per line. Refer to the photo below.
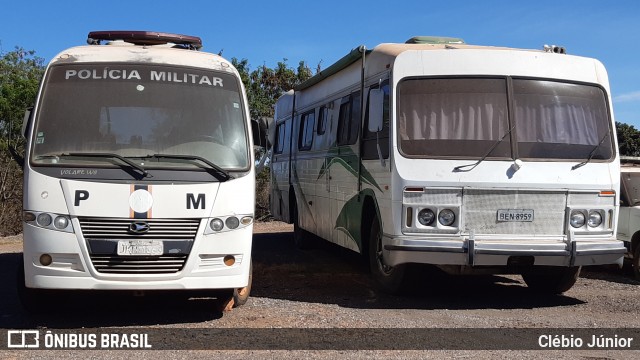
[592,153]
[128,162]
[473,166]
[215,170]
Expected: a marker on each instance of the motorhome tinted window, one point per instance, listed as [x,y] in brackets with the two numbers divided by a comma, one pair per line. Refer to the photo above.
[349,120]
[556,120]
[139,110]
[280,139]
[323,114]
[306,131]
[453,117]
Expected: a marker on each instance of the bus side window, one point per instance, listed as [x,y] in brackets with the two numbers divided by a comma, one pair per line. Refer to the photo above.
[349,119]
[323,114]
[305,138]
[279,139]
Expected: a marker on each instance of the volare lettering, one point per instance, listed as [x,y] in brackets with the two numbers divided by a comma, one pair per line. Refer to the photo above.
[194,203]
[80,195]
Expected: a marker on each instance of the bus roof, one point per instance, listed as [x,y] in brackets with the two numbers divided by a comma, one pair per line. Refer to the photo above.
[387,52]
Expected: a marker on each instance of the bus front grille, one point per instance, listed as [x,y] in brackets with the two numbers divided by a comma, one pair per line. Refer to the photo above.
[104,234]
[480,207]
[117,228]
[113,264]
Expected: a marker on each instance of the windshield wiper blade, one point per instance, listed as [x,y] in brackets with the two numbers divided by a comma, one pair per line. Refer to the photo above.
[592,153]
[473,166]
[131,164]
[215,170]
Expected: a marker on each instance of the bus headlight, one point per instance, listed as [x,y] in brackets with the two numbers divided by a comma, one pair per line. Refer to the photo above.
[595,219]
[228,223]
[61,222]
[49,221]
[426,217]
[577,219]
[446,217]
[216,224]
[43,219]
[232,222]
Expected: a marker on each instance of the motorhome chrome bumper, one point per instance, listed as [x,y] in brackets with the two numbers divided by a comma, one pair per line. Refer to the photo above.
[492,252]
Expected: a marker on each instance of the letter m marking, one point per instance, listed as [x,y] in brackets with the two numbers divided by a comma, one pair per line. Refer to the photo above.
[193,203]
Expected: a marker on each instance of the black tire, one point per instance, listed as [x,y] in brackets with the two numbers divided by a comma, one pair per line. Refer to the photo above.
[636,262]
[389,279]
[301,238]
[241,295]
[232,298]
[551,279]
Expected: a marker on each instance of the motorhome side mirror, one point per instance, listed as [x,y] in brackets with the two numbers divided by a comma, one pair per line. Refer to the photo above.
[259,129]
[376,106]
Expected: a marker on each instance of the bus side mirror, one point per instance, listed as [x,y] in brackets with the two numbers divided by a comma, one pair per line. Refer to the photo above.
[15,154]
[376,105]
[25,121]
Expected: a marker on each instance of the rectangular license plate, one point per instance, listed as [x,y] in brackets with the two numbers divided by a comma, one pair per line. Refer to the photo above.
[140,247]
[524,215]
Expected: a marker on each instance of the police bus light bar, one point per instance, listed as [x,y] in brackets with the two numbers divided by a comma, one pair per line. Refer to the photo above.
[145,38]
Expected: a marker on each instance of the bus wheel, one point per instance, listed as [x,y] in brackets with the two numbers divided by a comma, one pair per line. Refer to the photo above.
[636,262]
[388,279]
[234,298]
[552,279]
[241,295]
[301,238]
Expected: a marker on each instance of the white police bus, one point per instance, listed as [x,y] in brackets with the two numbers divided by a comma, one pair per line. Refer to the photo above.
[139,171]
[471,158]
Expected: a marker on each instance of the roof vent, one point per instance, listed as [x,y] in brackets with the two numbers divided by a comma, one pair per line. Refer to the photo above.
[145,38]
[554,49]
[434,40]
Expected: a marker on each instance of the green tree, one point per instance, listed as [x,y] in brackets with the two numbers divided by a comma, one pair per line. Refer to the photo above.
[20,74]
[628,139]
[265,85]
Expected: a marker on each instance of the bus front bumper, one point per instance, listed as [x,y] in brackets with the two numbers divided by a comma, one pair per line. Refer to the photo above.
[71,267]
[492,252]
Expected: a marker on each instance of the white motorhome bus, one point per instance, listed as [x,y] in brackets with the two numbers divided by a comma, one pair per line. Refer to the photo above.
[472,158]
[139,170]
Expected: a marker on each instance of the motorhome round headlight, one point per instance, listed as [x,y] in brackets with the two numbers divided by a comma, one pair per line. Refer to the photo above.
[216,224]
[60,222]
[44,219]
[595,219]
[232,222]
[577,219]
[446,217]
[426,216]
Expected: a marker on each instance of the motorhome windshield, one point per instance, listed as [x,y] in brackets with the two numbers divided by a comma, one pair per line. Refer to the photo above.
[467,117]
[138,110]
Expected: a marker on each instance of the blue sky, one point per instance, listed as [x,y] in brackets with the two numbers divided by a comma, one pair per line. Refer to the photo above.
[320,32]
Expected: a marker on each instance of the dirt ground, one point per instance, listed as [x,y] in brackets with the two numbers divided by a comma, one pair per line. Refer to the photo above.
[326,292]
